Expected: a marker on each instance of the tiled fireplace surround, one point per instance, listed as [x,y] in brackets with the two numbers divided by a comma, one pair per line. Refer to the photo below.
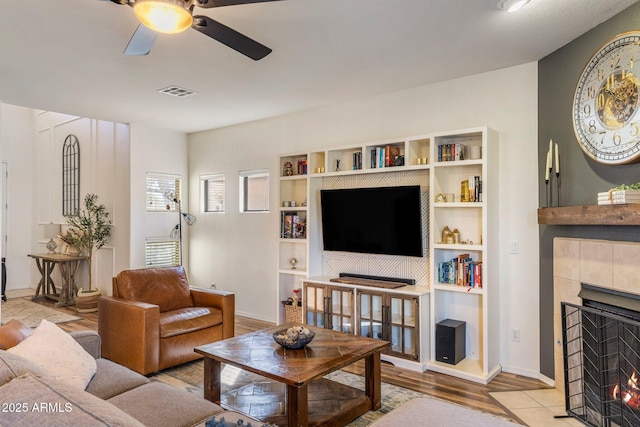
[604,263]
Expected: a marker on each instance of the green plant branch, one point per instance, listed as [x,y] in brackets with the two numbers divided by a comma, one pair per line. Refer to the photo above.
[90,229]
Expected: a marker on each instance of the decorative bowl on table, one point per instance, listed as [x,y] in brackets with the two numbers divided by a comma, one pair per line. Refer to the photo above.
[294,337]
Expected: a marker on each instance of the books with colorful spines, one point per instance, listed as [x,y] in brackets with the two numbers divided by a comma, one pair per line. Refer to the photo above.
[288,225]
[472,189]
[461,261]
[392,151]
[477,274]
[299,227]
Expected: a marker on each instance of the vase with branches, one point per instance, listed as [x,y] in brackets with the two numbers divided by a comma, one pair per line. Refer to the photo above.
[89,229]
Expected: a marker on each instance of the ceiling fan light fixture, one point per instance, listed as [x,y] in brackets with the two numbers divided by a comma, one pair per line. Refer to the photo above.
[511,5]
[164,16]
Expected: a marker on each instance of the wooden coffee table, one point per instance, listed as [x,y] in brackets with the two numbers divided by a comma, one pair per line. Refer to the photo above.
[301,372]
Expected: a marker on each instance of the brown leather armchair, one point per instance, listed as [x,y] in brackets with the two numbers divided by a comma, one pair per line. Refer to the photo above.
[155,319]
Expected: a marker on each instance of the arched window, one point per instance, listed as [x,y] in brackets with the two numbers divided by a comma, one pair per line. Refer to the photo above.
[70,176]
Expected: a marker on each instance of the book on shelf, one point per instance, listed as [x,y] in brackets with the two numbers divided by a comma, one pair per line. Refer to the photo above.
[292,226]
[464,191]
[302,166]
[618,197]
[461,271]
[451,152]
[357,160]
[391,153]
[471,189]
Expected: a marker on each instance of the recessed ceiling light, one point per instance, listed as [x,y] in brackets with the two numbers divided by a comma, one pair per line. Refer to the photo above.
[177,91]
[511,5]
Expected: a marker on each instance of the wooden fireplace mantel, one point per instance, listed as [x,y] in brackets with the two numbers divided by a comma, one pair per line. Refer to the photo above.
[591,215]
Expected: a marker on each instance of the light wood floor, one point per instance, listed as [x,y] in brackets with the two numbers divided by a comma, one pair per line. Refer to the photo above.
[440,386]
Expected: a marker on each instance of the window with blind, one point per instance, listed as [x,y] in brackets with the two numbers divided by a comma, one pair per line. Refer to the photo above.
[254,191]
[212,193]
[162,252]
[157,186]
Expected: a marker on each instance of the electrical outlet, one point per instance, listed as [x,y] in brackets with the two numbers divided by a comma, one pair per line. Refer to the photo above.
[515,334]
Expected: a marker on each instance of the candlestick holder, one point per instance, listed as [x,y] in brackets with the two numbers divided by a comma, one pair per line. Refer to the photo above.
[558,188]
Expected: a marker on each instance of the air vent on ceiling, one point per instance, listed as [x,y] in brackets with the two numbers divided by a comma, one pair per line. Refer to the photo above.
[177,91]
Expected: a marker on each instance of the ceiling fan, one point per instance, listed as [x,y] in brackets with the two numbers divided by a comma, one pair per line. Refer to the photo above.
[174,16]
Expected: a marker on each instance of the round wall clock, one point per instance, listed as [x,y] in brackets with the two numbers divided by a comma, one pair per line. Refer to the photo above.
[606,115]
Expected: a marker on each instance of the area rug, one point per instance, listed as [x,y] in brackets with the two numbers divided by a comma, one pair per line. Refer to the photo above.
[31,313]
[189,377]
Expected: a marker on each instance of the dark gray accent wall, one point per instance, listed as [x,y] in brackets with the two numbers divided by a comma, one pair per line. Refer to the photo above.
[581,177]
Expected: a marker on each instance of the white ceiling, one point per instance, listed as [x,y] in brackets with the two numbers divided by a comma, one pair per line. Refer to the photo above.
[66,55]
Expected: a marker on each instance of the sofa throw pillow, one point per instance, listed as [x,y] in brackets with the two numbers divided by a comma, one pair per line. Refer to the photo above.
[13,333]
[58,354]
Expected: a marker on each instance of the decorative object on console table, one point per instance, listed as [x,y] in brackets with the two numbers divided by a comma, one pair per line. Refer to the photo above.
[89,230]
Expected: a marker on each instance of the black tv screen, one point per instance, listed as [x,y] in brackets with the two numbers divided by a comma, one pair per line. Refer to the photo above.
[381,220]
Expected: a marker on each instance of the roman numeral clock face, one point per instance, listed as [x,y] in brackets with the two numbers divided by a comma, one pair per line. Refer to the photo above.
[606,115]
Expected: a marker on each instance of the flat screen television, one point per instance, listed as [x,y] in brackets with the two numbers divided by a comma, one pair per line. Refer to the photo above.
[381,220]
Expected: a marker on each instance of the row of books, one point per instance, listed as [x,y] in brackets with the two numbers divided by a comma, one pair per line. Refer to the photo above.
[302,167]
[293,226]
[451,152]
[471,189]
[461,271]
[357,160]
[385,157]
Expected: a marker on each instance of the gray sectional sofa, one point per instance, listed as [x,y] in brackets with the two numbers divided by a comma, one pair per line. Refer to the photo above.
[115,396]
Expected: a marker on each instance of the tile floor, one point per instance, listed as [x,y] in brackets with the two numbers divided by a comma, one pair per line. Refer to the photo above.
[537,408]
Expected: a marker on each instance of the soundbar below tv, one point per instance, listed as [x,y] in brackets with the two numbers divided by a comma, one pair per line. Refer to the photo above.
[379,220]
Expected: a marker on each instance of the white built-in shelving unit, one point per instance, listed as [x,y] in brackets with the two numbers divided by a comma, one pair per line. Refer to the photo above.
[434,301]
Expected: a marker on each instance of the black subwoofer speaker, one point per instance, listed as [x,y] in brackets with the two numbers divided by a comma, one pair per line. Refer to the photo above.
[450,341]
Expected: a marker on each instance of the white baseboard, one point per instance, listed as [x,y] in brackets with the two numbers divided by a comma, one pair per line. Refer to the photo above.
[254,316]
[522,372]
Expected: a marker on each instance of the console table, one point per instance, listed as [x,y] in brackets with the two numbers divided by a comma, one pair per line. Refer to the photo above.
[68,265]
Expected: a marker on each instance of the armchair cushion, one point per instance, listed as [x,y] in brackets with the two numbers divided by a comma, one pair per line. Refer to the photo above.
[165,287]
[185,320]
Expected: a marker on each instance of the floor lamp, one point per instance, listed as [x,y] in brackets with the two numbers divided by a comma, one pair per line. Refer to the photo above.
[189,219]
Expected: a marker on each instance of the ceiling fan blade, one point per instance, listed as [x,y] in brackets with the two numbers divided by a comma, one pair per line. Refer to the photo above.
[230,37]
[219,3]
[141,42]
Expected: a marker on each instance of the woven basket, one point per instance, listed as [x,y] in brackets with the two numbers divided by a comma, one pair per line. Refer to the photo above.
[292,313]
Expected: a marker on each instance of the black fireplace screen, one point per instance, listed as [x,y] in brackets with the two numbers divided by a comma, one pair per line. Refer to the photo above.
[601,366]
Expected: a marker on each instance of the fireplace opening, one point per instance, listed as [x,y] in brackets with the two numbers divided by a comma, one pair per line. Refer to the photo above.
[601,344]
[612,301]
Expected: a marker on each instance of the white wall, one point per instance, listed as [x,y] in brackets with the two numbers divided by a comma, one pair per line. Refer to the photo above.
[159,151]
[32,146]
[17,137]
[238,251]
